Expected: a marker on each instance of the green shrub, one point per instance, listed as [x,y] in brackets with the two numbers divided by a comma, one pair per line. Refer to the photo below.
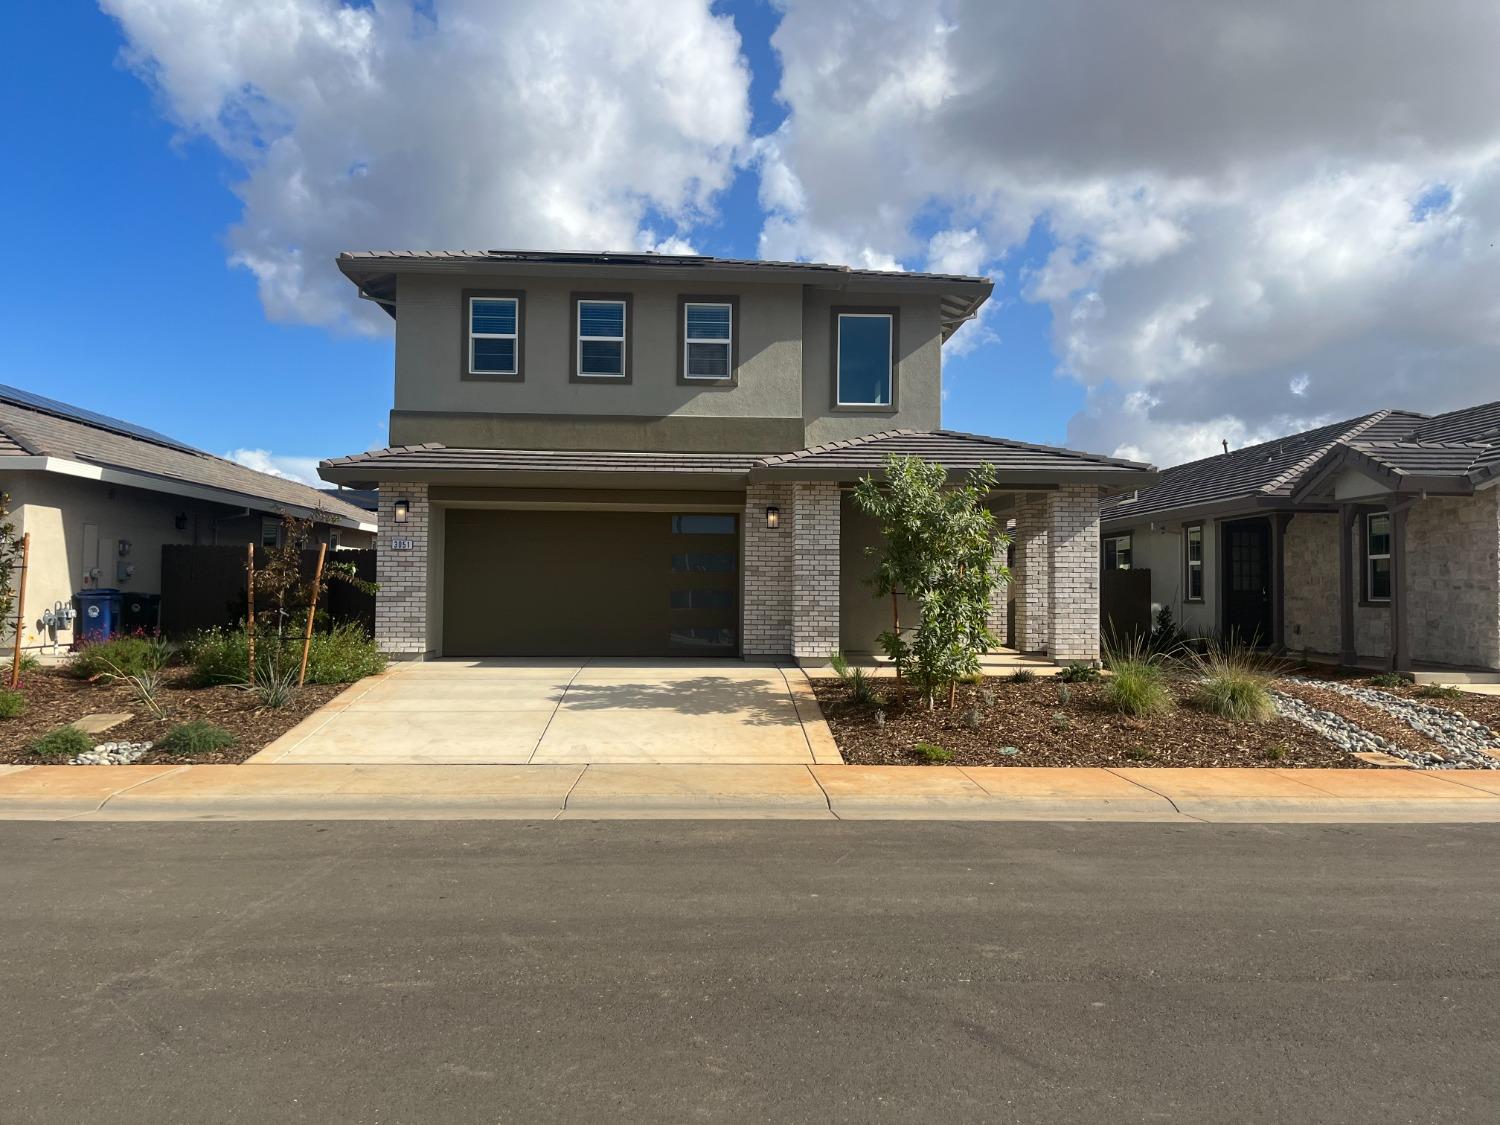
[1137,684]
[30,662]
[1437,691]
[1388,680]
[862,688]
[12,704]
[1139,753]
[1078,673]
[196,737]
[120,656]
[340,656]
[1022,676]
[64,742]
[839,663]
[1276,751]
[932,752]
[1234,683]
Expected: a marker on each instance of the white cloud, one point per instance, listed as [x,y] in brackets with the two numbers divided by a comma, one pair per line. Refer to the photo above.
[1265,216]
[534,124]
[301,469]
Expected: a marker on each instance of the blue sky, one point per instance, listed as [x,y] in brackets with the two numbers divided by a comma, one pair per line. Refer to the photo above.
[127,303]
[1202,228]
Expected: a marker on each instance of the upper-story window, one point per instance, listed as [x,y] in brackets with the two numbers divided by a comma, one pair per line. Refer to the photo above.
[601,346]
[492,335]
[708,339]
[864,359]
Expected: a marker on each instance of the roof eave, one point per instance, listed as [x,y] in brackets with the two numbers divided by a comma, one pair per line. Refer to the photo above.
[366,475]
[1106,477]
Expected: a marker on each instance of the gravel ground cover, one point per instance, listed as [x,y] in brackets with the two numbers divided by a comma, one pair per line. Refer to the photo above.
[55,698]
[1459,741]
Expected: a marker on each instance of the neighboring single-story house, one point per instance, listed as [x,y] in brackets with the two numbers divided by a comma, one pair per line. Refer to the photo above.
[101,497]
[1373,541]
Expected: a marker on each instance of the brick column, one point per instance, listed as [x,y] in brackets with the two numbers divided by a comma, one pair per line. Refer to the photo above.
[996,619]
[815,570]
[768,572]
[401,604]
[1073,623]
[1033,570]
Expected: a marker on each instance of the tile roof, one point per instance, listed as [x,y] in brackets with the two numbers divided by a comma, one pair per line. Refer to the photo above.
[1461,443]
[26,430]
[841,460]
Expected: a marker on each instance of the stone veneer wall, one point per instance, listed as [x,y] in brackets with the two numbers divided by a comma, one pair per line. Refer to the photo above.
[815,569]
[1311,583]
[1033,570]
[1453,579]
[401,604]
[1073,574]
[768,572]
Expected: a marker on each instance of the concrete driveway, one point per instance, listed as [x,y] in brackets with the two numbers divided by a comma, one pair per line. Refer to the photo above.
[560,711]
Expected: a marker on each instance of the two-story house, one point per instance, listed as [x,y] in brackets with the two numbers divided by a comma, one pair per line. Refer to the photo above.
[640,454]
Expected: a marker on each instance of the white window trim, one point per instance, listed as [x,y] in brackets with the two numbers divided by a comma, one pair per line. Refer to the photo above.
[838,359]
[687,341]
[620,339]
[515,365]
[1189,564]
[1129,542]
[1371,556]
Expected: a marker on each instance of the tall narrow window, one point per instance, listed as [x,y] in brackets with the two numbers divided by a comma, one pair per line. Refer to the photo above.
[494,336]
[1378,557]
[707,340]
[864,360]
[270,531]
[1117,552]
[601,344]
[1192,562]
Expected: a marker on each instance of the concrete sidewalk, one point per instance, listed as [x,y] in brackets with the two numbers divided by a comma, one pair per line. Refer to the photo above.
[816,792]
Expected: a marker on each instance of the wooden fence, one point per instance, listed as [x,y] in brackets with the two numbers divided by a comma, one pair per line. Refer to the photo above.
[204,587]
[1124,605]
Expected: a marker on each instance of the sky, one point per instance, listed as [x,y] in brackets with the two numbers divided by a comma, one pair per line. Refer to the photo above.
[1206,221]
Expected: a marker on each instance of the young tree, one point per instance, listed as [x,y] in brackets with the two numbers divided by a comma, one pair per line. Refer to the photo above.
[284,585]
[940,543]
[10,562]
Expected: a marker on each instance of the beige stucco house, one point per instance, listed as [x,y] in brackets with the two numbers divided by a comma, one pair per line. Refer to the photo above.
[101,497]
[1372,541]
[639,454]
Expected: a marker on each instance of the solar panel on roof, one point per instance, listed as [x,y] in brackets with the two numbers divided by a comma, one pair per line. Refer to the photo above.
[18,397]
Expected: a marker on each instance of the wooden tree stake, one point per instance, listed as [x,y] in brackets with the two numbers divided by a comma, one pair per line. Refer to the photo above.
[250,606]
[312,606]
[15,659]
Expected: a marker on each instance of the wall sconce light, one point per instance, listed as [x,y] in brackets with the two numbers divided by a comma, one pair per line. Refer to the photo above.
[401,509]
[181,522]
[773,517]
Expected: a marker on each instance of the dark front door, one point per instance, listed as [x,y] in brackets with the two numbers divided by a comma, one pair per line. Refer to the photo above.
[1247,581]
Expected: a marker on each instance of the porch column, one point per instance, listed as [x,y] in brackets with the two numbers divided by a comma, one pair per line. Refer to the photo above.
[1400,630]
[768,572]
[1033,527]
[1073,579]
[998,617]
[1279,520]
[1347,654]
[401,570]
[815,570]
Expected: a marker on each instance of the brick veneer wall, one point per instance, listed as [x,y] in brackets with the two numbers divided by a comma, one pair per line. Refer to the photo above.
[1073,578]
[996,619]
[768,572]
[815,569]
[401,604]
[1033,526]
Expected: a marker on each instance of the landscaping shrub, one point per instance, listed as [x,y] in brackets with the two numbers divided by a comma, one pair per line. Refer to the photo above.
[341,656]
[196,737]
[1437,691]
[932,752]
[120,656]
[64,742]
[1388,680]
[1139,753]
[839,663]
[1078,673]
[862,688]
[1022,676]
[1234,683]
[1137,683]
[12,704]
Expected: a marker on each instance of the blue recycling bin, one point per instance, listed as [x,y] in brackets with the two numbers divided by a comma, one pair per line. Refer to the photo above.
[98,614]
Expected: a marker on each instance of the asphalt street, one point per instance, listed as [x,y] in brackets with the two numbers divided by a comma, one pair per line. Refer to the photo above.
[748,971]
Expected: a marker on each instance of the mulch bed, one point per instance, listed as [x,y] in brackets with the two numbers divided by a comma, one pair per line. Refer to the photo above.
[1047,732]
[54,698]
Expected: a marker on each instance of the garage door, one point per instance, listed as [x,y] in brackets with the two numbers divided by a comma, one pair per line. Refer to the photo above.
[525,583]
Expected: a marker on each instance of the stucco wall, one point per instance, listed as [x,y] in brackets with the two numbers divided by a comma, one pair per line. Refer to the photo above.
[1160,551]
